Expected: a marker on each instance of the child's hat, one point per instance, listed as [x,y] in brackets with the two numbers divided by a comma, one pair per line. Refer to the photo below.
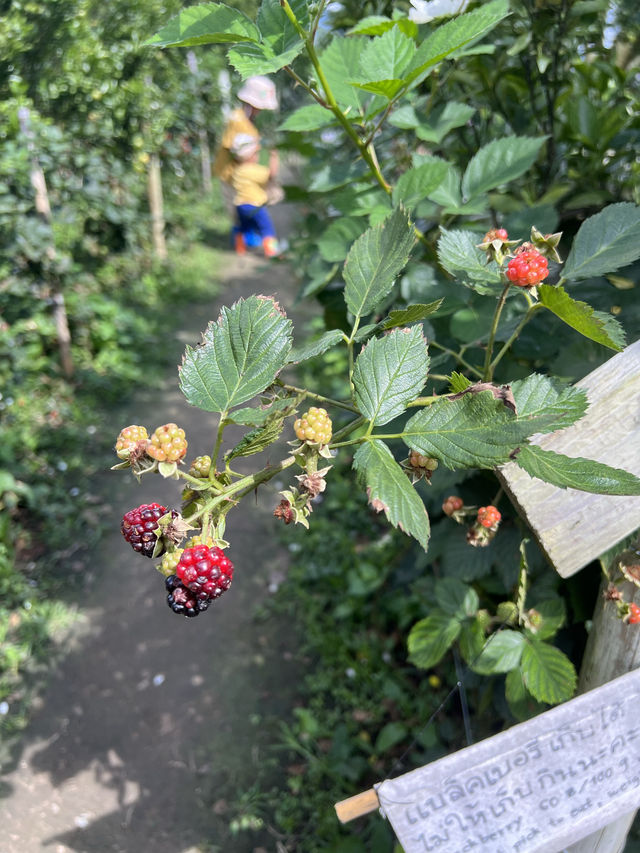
[259,92]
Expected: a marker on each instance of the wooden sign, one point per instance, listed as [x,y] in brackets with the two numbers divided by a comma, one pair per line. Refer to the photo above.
[535,788]
[572,527]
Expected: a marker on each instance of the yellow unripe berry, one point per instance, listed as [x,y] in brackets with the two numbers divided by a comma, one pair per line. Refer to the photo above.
[167,444]
[314,426]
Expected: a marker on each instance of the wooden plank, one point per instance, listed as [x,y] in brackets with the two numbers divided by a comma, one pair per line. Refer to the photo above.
[536,788]
[574,527]
[357,806]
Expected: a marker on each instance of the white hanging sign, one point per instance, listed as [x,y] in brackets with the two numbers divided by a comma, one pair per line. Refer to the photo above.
[535,788]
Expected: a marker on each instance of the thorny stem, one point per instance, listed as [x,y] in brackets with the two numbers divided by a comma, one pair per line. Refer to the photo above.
[316,20]
[216,449]
[532,310]
[318,397]
[317,97]
[488,370]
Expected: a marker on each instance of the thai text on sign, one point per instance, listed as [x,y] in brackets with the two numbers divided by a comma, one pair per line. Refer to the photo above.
[535,788]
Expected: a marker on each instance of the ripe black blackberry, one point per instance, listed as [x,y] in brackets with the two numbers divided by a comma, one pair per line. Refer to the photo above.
[181,600]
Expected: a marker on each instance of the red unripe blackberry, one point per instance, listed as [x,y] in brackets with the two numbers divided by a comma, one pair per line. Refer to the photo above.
[452,504]
[527,268]
[314,426]
[167,444]
[138,527]
[634,614]
[205,571]
[489,516]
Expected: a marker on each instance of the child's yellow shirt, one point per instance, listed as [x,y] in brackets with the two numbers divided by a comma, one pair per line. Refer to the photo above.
[249,181]
[224,164]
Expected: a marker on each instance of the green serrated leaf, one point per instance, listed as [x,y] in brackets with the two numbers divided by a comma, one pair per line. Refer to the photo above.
[499,162]
[547,401]
[459,254]
[276,29]
[454,35]
[365,332]
[553,614]
[322,344]
[374,261]
[309,117]
[335,174]
[474,431]
[471,639]
[389,489]
[258,439]
[239,357]
[444,119]
[385,58]
[384,88]
[337,239]
[412,314]
[548,674]
[501,653]
[458,383]
[586,475]
[250,60]
[521,703]
[209,23]
[340,62]
[448,194]
[417,183]
[605,242]
[389,373]
[431,638]
[376,25]
[598,327]
[456,598]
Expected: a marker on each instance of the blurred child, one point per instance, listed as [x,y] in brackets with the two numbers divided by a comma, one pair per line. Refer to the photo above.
[249,180]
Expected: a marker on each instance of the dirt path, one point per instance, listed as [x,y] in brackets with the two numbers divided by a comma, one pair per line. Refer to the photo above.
[151,718]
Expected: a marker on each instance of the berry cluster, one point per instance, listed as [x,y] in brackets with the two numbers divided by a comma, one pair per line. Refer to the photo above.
[200,467]
[489,517]
[314,426]
[634,613]
[418,460]
[131,438]
[528,268]
[202,574]
[167,444]
[139,525]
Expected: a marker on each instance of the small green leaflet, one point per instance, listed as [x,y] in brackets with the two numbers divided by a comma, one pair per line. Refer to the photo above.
[454,35]
[340,61]
[374,261]
[546,401]
[444,119]
[259,439]
[474,431]
[456,598]
[276,29]
[605,242]
[310,350]
[240,355]
[255,59]
[586,475]
[499,162]
[458,382]
[413,314]
[338,237]
[431,638]
[389,373]
[599,327]
[390,490]
[416,184]
[548,674]
[459,254]
[210,23]
[501,653]
[376,25]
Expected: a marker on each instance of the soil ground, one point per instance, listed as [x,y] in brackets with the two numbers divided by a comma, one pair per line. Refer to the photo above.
[145,731]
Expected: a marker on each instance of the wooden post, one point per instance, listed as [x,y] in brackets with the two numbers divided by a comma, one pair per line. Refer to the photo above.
[573,528]
[156,208]
[205,160]
[43,207]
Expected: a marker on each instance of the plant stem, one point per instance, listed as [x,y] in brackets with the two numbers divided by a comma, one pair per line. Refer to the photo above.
[317,97]
[488,370]
[349,428]
[319,397]
[216,449]
[532,310]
